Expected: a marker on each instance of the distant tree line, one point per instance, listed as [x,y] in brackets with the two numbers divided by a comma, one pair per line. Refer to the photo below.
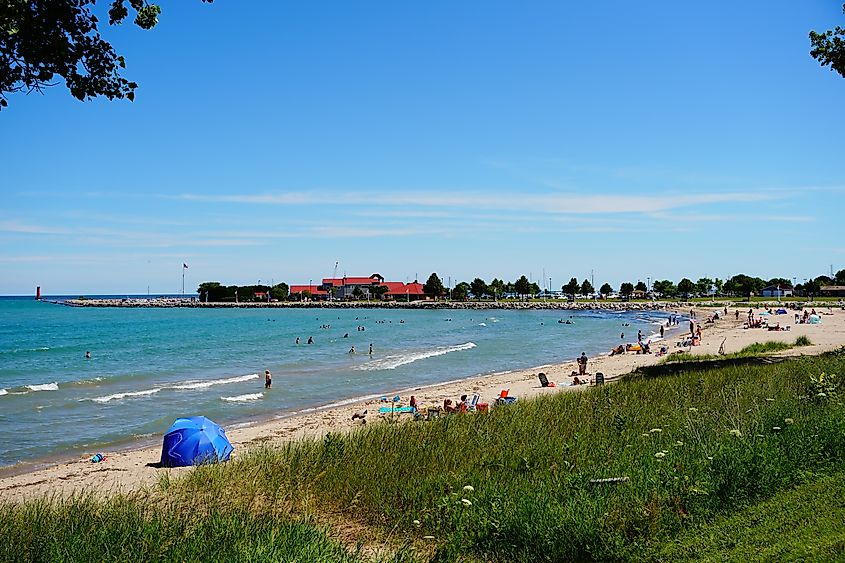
[214,291]
[740,285]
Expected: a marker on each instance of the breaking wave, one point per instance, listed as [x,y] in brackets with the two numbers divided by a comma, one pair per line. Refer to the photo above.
[243,398]
[44,387]
[118,396]
[394,361]
[211,382]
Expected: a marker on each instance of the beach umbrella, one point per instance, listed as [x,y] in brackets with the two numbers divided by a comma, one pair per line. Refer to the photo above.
[194,440]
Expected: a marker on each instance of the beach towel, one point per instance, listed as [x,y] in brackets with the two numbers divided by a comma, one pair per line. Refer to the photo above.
[386,410]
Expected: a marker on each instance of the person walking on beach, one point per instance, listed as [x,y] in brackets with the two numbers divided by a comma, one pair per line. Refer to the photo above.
[268,379]
[371,349]
[661,331]
[582,364]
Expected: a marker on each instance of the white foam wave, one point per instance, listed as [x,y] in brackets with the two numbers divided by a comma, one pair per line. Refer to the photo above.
[243,398]
[482,324]
[394,361]
[44,387]
[118,396]
[211,382]
[3,392]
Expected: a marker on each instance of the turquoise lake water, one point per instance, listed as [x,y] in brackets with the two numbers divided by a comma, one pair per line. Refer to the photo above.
[150,366]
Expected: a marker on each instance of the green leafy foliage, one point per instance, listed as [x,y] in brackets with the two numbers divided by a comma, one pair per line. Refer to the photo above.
[43,41]
[434,286]
[829,48]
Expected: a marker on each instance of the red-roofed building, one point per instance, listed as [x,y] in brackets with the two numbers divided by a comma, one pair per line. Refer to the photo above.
[400,290]
[317,291]
[344,288]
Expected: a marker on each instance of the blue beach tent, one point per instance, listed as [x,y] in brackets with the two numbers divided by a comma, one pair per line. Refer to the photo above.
[194,440]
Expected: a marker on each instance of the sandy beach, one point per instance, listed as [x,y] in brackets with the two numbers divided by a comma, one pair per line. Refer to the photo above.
[125,471]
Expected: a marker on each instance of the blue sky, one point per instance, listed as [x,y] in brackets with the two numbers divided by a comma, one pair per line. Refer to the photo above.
[269,140]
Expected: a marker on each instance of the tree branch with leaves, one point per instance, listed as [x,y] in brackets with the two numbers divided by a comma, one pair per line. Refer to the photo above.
[43,41]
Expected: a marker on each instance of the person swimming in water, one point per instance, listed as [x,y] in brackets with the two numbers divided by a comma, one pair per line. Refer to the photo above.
[352,350]
[310,340]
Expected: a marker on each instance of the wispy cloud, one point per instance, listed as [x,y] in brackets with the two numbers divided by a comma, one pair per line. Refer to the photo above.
[560,203]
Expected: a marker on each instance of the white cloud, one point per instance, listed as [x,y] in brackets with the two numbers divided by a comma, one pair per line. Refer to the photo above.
[560,203]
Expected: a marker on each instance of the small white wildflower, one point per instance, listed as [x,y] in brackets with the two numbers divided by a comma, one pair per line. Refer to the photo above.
[466,502]
[693,409]
[789,421]
[759,436]
[646,435]
[657,430]
[736,432]
[660,455]
[428,537]
[768,400]
[469,489]
[776,428]
[416,522]
[710,457]
[679,443]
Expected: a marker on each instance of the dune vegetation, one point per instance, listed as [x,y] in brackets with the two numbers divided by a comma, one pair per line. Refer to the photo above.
[651,468]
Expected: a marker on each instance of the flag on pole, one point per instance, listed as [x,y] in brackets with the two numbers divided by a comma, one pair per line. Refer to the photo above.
[184,265]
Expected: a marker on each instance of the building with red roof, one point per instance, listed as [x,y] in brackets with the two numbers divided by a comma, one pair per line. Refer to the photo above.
[317,291]
[371,287]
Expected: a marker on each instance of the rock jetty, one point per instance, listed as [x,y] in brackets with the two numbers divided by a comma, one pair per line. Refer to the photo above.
[515,305]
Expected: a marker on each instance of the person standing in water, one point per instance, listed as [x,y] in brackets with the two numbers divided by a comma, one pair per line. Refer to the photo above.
[268,379]
[371,349]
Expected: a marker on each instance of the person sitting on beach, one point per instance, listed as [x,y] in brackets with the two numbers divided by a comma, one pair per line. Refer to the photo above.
[448,406]
[462,405]
[413,403]
[618,350]
[576,381]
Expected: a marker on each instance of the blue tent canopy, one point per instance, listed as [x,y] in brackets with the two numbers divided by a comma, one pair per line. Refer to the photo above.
[194,440]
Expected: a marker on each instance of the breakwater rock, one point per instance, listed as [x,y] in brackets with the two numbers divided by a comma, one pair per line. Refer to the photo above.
[413,305]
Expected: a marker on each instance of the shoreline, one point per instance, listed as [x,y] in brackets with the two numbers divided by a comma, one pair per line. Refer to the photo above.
[132,467]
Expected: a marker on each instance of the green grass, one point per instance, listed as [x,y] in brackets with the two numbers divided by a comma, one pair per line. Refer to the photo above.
[803,341]
[800,524]
[133,529]
[698,448]
[751,351]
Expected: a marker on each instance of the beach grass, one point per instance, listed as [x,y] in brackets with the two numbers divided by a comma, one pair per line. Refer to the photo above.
[755,350]
[686,453]
[135,529]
